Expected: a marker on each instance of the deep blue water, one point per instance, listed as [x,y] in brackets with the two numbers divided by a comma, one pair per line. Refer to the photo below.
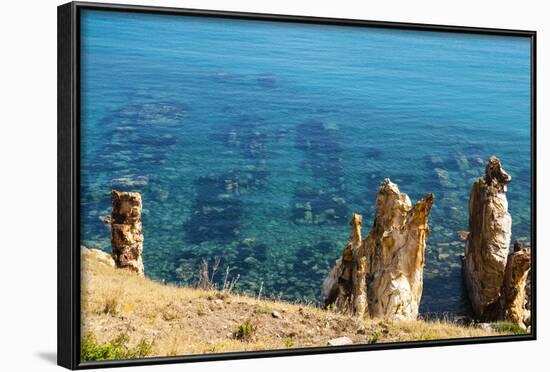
[254,141]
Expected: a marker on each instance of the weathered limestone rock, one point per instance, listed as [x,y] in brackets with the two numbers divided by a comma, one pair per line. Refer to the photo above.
[395,250]
[340,341]
[513,305]
[488,241]
[96,254]
[276,314]
[126,230]
[344,287]
[382,275]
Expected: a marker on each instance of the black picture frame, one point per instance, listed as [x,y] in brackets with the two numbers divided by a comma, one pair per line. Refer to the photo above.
[68,218]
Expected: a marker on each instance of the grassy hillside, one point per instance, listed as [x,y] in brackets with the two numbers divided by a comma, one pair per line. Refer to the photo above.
[125,316]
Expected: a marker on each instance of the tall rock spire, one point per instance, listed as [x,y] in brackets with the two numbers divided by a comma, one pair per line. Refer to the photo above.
[126,230]
[488,242]
[395,250]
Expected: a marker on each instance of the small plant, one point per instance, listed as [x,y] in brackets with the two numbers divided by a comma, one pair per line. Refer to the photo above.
[229,283]
[142,349]
[201,311]
[206,276]
[111,306]
[288,342]
[375,337]
[245,331]
[508,327]
[117,348]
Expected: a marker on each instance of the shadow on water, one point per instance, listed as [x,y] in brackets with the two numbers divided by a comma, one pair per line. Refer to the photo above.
[139,136]
[215,223]
[247,136]
[324,200]
[216,210]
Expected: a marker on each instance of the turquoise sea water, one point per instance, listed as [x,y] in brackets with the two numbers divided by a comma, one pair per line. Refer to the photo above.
[254,141]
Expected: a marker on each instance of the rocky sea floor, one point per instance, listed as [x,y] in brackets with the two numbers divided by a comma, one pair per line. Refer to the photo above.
[273,203]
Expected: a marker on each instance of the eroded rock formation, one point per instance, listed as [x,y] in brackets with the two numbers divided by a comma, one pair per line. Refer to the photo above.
[513,301]
[395,248]
[126,230]
[382,275]
[488,242]
[96,254]
[345,287]
[496,280]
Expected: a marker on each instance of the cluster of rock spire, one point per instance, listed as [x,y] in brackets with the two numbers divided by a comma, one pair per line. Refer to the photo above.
[381,275]
[495,278]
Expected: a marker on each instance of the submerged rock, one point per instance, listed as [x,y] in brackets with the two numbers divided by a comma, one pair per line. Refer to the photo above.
[382,275]
[463,163]
[216,212]
[130,182]
[444,178]
[267,80]
[106,220]
[488,241]
[126,230]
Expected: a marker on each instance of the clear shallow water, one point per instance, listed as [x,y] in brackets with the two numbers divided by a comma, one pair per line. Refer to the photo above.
[254,141]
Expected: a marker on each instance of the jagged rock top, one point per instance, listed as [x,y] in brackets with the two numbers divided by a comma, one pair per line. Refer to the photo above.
[126,207]
[392,205]
[523,257]
[356,221]
[495,175]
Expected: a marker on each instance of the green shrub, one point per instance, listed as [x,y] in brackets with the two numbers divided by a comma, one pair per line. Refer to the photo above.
[245,331]
[288,342]
[507,327]
[116,348]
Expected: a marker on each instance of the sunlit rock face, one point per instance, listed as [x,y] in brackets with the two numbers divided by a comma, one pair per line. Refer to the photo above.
[395,250]
[488,242]
[126,231]
[382,275]
[513,302]
[96,254]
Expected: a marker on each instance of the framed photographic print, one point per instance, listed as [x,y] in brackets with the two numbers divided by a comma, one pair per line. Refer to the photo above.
[237,185]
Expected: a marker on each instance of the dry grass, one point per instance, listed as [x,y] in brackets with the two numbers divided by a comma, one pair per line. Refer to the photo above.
[181,321]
